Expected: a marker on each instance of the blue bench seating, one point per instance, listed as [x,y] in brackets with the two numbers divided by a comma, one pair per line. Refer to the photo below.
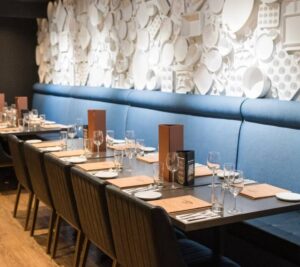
[262,137]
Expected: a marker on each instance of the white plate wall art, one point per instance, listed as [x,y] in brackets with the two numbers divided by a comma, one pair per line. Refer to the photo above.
[241,10]
[167,44]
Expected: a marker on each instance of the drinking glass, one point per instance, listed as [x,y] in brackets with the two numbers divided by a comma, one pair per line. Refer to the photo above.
[118,160]
[64,139]
[140,146]
[235,187]
[228,172]
[172,165]
[129,135]
[79,127]
[72,131]
[110,135]
[87,146]
[158,175]
[20,124]
[42,118]
[98,140]
[35,113]
[213,163]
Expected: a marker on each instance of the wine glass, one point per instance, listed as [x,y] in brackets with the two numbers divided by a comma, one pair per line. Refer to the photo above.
[172,165]
[228,172]
[98,140]
[79,127]
[213,163]
[72,131]
[118,159]
[235,187]
[110,135]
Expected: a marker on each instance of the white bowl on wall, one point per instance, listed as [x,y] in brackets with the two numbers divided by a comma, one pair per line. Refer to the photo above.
[255,83]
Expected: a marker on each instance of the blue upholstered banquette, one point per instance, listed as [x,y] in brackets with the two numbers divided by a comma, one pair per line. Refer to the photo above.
[262,137]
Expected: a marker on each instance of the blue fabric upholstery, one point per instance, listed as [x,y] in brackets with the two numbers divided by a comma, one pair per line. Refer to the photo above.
[196,255]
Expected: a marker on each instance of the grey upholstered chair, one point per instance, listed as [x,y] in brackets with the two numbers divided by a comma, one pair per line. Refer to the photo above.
[143,236]
[35,164]
[63,197]
[17,153]
[93,214]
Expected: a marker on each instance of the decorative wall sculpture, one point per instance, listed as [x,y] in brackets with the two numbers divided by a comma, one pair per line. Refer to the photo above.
[219,47]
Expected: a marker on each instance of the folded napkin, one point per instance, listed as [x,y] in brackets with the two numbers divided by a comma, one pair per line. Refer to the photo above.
[149,158]
[131,181]
[11,129]
[97,165]
[257,191]
[202,171]
[47,144]
[70,153]
[176,204]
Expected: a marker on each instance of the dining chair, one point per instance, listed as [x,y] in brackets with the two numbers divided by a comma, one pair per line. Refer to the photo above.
[93,213]
[21,171]
[64,202]
[143,236]
[36,168]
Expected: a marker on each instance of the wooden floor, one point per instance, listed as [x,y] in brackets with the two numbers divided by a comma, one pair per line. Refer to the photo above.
[18,249]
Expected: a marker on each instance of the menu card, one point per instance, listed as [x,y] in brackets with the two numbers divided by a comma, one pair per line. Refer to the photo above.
[149,158]
[131,181]
[258,191]
[47,144]
[97,165]
[183,203]
[70,153]
[202,171]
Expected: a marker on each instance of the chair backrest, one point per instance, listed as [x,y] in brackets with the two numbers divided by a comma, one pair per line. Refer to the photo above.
[36,168]
[17,153]
[61,189]
[143,234]
[92,209]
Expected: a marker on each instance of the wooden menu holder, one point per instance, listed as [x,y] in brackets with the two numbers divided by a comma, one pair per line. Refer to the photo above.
[170,140]
[2,101]
[97,121]
[21,104]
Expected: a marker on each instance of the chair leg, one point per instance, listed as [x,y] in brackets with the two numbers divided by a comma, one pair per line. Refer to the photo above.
[85,252]
[35,210]
[56,235]
[114,263]
[50,230]
[17,200]
[29,205]
[78,247]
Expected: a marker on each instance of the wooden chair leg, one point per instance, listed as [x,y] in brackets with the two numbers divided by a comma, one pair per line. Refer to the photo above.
[114,263]
[17,200]
[50,230]
[85,252]
[78,248]
[56,235]
[29,205]
[35,210]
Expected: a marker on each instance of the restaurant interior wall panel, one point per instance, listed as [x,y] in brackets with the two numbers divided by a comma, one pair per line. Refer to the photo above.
[17,49]
[183,46]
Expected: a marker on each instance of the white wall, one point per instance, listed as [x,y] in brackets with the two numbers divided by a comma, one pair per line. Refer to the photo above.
[220,47]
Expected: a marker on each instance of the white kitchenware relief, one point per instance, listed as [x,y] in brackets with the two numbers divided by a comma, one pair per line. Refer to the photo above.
[182,46]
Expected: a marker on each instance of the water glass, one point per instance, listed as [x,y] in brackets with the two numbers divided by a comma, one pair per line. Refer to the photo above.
[34,113]
[235,187]
[42,118]
[228,172]
[118,160]
[72,131]
[139,147]
[98,140]
[129,135]
[79,127]
[110,135]
[158,170]
[218,196]
[88,147]
[20,124]
[172,165]
[64,139]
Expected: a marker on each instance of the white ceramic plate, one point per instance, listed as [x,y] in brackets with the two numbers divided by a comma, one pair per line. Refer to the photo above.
[203,79]
[52,149]
[76,159]
[210,35]
[216,5]
[33,141]
[288,196]
[181,49]
[221,174]
[143,40]
[165,30]
[242,11]
[264,47]
[213,60]
[142,16]
[167,54]
[148,148]
[106,174]
[119,141]
[148,195]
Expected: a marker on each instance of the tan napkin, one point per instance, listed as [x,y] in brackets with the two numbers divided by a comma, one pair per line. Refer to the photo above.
[202,171]
[47,144]
[97,165]
[51,126]
[70,153]
[257,191]
[182,203]
[8,130]
[118,146]
[149,158]
[131,181]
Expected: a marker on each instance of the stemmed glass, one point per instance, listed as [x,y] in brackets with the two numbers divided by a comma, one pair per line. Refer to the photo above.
[72,131]
[98,140]
[213,163]
[172,165]
[235,187]
[79,127]
[228,172]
